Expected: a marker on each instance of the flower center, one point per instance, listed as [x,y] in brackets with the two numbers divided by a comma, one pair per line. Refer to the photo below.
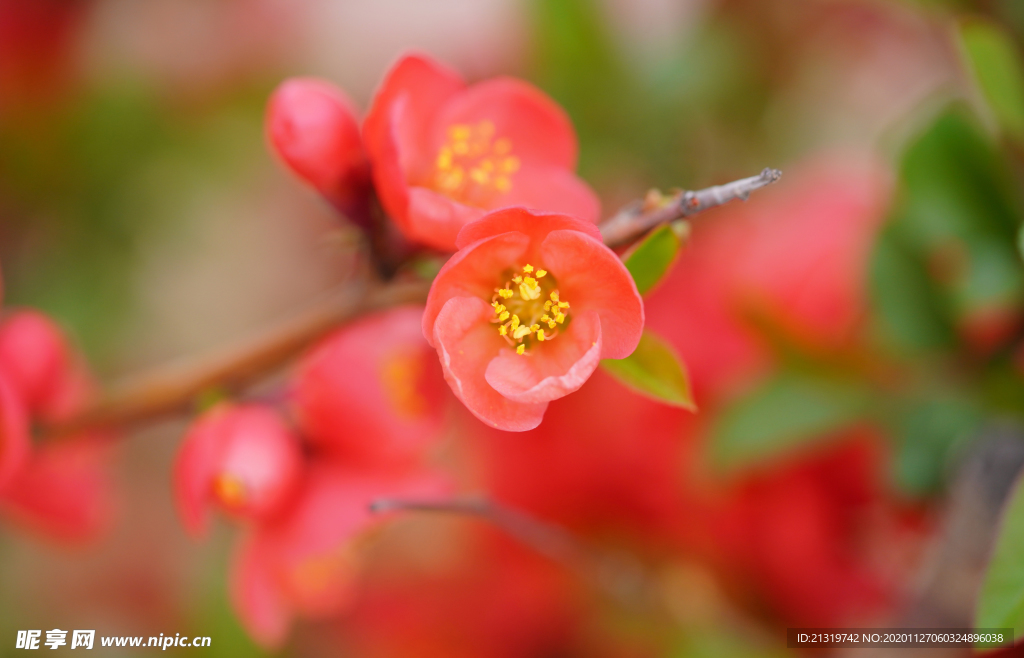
[230,490]
[472,166]
[528,308]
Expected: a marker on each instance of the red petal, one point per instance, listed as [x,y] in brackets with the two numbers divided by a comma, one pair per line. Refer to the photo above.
[14,439]
[395,129]
[550,370]
[374,389]
[65,490]
[435,219]
[532,223]
[591,277]
[540,131]
[466,342]
[256,597]
[195,468]
[553,190]
[474,271]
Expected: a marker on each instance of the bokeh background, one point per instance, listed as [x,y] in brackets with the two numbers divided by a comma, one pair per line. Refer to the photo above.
[854,333]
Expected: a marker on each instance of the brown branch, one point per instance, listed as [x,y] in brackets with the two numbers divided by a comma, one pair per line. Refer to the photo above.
[641,216]
[174,388]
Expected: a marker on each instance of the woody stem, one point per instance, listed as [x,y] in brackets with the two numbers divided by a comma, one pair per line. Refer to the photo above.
[641,216]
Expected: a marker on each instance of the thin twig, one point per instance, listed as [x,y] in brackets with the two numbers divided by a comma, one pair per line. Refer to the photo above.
[641,216]
[174,388]
[619,576]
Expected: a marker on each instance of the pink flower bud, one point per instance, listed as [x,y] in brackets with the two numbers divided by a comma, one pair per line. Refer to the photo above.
[312,126]
[35,358]
[243,459]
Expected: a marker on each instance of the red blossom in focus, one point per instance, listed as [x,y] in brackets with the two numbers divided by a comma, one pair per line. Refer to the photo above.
[60,489]
[445,154]
[524,311]
[312,125]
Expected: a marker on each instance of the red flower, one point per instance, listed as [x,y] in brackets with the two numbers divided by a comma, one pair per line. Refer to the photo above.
[244,459]
[444,154]
[372,391]
[307,561]
[312,126]
[60,489]
[525,310]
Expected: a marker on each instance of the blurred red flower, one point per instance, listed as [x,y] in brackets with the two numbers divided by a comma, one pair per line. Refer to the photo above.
[61,489]
[524,311]
[443,154]
[373,391]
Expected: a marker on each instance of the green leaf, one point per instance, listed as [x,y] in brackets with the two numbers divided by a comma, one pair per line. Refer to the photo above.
[991,55]
[788,411]
[651,259]
[1001,602]
[928,432]
[654,370]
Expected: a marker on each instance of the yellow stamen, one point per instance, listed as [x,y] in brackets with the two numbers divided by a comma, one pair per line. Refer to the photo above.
[528,268]
[520,349]
[533,314]
[541,274]
[540,335]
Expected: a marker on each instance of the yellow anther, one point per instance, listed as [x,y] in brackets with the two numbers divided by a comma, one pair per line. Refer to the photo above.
[444,159]
[498,307]
[515,322]
[505,293]
[545,318]
[510,165]
[528,268]
[540,335]
[502,184]
[547,305]
[541,274]
[552,324]
[459,132]
[520,349]
[503,316]
[479,176]
[521,332]
[517,279]
[563,304]
[502,330]
[528,289]
[554,296]
[560,318]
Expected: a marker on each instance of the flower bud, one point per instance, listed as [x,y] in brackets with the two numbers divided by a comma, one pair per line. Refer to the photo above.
[242,459]
[312,126]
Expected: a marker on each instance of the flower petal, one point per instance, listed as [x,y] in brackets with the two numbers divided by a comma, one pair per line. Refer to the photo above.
[532,223]
[395,129]
[549,370]
[466,342]
[14,438]
[472,272]
[373,390]
[539,130]
[64,491]
[256,596]
[435,219]
[592,277]
[552,189]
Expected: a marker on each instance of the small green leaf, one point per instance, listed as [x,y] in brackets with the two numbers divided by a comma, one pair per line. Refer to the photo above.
[997,67]
[1001,602]
[782,414]
[654,370]
[651,259]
